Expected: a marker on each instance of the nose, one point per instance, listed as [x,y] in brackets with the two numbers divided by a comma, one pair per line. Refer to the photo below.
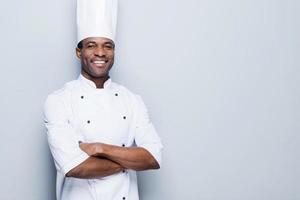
[99,51]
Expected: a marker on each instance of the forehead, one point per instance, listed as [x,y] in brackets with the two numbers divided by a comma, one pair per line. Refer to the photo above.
[98,40]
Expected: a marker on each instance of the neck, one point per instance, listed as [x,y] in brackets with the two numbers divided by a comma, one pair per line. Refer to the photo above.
[99,81]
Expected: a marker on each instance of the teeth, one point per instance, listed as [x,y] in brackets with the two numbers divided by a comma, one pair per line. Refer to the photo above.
[99,62]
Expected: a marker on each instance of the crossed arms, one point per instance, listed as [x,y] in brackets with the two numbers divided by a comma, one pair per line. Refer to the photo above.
[94,160]
[108,159]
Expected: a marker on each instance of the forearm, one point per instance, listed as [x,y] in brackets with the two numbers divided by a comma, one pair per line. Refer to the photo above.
[95,167]
[136,158]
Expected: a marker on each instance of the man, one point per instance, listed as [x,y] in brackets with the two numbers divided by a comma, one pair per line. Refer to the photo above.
[99,132]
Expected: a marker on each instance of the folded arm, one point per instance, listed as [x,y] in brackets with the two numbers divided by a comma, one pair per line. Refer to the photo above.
[135,158]
[95,167]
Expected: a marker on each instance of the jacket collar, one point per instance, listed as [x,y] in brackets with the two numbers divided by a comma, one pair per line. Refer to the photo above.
[90,84]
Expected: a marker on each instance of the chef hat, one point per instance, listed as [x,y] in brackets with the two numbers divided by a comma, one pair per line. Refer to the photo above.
[96,18]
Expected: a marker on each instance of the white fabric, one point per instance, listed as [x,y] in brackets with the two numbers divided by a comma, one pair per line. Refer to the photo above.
[67,113]
[96,18]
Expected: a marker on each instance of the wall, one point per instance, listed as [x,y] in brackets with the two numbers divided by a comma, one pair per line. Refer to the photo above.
[220,79]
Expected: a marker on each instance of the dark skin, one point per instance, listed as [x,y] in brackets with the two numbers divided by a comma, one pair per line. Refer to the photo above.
[97,58]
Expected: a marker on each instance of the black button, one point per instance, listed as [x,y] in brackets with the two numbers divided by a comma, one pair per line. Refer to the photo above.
[123,145]
[82,97]
[124,117]
[124,198]
[123,171]
[116,94]
[88,121]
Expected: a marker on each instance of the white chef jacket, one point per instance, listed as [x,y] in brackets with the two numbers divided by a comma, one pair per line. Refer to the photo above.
[81,112]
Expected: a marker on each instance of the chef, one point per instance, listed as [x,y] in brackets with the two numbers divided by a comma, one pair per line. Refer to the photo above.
[98,131]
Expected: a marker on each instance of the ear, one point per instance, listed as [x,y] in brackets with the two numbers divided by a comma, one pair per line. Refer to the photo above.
[78,52]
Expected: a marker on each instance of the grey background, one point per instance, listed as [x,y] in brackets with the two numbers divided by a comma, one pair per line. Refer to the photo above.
[220,79]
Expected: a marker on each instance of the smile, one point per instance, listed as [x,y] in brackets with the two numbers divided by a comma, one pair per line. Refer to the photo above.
[100,63]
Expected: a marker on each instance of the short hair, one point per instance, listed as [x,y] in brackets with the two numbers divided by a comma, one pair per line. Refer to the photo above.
[80,45]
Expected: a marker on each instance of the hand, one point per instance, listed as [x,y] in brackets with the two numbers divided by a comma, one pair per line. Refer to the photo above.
[92,149]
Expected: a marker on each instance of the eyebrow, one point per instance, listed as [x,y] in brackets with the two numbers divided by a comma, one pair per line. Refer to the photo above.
[105,43]
[90,42]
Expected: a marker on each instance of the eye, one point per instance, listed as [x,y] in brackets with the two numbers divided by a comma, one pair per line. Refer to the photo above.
[108,46]
[90,45]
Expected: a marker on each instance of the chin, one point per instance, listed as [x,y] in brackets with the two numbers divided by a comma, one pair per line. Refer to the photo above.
[96,72]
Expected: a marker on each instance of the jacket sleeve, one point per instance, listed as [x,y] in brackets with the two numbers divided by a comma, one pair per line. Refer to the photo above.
[145,133]
[61,135]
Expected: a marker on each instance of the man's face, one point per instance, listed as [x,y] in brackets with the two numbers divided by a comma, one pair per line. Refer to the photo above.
[97,56]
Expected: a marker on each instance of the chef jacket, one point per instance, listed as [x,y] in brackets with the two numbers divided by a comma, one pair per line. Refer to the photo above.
[81,112]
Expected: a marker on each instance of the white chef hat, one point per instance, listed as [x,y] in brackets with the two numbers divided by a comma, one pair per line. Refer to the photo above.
[96,18]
